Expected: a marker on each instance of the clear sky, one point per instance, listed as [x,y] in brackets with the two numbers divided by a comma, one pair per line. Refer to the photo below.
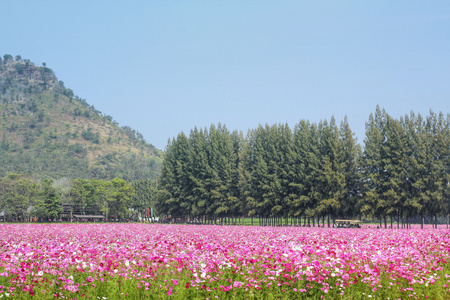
[163,67]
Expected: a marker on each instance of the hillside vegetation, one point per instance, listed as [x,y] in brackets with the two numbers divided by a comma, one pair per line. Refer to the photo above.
[48,132]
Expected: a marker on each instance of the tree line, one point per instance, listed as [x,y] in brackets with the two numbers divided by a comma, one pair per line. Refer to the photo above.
[315,171]
[23,198]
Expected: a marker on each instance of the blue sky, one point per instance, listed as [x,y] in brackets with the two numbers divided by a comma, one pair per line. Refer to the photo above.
[163,67]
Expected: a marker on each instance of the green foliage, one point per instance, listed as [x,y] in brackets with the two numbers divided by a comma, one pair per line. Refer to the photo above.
[48,204]
[88,135]
[314,171]
[22,197]
[405,166]
[17,194]
[120,194]
[145,193]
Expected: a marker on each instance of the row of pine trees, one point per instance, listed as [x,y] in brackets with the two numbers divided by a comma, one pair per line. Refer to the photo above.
[311,172]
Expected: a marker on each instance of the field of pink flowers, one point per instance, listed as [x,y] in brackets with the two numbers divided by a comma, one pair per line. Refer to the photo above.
[112,261]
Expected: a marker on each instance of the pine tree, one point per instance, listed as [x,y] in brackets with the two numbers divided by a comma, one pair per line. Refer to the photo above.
[331,181]
[259,200]
[313,173]
[144,196]
[200,174]
[239,176]
[395,183]
[373,167]
[351,152]
[299,198]
[174,181]
[418,166]
[220,159]
[436,183]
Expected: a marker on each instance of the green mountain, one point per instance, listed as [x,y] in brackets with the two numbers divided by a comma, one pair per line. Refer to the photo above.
[48,132]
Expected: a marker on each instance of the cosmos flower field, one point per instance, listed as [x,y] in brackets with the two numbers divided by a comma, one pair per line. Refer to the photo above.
[136,261]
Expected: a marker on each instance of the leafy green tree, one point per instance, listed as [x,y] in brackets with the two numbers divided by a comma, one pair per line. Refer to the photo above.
[48,205]
[88,196]
[17,193]
[7,58]
[119,198]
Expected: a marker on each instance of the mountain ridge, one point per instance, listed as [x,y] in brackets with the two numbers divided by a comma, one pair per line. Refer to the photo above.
[48,131]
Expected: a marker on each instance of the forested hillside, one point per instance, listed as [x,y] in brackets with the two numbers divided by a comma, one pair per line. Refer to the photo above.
[47,131]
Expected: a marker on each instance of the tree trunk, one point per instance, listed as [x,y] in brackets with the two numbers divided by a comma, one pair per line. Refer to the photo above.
[435,220]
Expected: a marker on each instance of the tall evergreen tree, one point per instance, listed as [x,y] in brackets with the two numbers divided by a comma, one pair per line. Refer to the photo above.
[436,183]
[144,197]
[395,183]
[200,174]
[351,152]
[373,167]
[221,156]
[239,176]
[174,181]
[256,165]
[331,181]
